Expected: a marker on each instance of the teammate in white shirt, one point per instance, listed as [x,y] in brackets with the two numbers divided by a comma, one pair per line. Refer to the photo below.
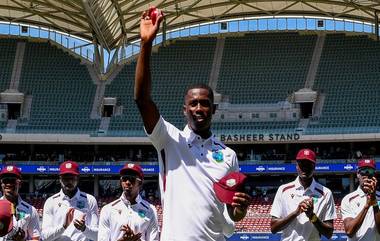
[70,215]
[303,209]
[190,160]
[25,217]
[360,209]
[130,217]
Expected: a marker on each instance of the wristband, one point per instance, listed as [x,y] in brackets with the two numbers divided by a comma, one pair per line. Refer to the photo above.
[314,218]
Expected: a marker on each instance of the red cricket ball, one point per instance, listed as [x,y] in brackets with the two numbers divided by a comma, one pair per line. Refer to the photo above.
[153,14]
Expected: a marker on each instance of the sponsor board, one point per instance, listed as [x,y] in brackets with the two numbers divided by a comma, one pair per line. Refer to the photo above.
[153,169]
[276,237]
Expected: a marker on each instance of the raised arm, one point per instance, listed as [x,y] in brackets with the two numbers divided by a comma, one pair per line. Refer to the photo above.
[143,84]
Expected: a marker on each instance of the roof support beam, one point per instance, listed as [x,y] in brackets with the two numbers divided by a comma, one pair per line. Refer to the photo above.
[94,23]
[115,22]
[120,16]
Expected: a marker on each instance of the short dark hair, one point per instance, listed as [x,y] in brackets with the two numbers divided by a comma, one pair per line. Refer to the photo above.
[202,86]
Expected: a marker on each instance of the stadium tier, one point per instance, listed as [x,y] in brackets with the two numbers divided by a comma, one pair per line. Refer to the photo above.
[3,124]
[173,69]
[296,90]
[62,92]
[255,69]
[264,68]
[129,122]
[7,57]
[348,75]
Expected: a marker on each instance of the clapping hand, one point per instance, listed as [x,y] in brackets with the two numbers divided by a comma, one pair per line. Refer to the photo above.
[129,235]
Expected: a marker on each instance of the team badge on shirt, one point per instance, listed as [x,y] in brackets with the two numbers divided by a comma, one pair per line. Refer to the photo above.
[21,215]
[218,156]
[142,213]
[80,204]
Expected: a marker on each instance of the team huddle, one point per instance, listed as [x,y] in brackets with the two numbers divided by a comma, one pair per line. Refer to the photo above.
[201,187]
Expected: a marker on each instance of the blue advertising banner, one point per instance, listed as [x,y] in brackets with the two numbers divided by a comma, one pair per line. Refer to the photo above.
[85,169]
[275,237]
[291,168]
[153,169]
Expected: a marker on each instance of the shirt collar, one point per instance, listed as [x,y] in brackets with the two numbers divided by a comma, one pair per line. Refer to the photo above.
[127,202]
[299,186]
[360,191]
[191,136]
[64,196]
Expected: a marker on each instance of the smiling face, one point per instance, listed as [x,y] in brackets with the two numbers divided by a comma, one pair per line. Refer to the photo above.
[10,185]
[198,109]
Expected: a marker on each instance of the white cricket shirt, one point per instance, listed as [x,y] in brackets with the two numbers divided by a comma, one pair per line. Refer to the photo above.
[54,217]
[140,217]
[352,204]
[288,197]
[189,166]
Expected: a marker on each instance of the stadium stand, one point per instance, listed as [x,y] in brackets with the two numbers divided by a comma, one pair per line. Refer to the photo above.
[348,76]
[128,123]
[264,68]
[3,124]
[264,73]
[255,62]
[7,56]
[174,68]
[61,89]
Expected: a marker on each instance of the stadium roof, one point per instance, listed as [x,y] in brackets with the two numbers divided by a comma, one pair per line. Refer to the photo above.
[114,22]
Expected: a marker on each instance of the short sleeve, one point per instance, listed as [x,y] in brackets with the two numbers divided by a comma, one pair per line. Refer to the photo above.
[235,163]
[276,210]
[346,209]
[330,212]
[161,133]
